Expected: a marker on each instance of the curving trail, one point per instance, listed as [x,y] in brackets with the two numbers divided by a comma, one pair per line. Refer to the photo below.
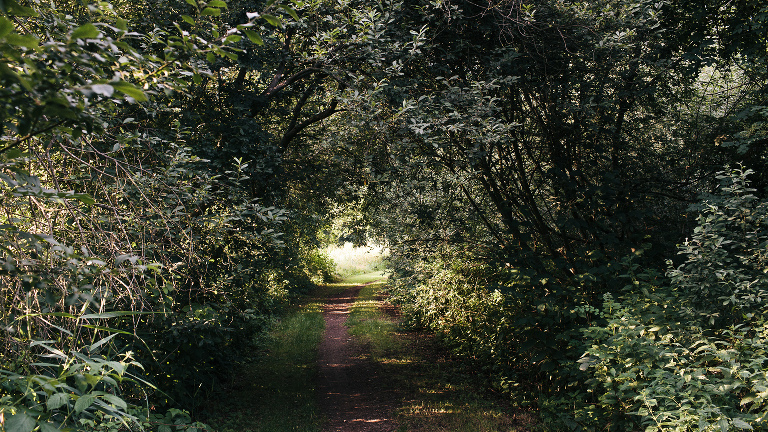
[351,396]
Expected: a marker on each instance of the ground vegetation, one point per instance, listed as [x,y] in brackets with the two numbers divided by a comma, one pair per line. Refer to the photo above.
[572,195]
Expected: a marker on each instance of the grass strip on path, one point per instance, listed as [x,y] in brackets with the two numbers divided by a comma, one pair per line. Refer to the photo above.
[275,392]
[440,394]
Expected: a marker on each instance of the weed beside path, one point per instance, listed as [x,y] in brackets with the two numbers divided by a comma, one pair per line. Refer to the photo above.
[413,384]
[275,391]
[437,393]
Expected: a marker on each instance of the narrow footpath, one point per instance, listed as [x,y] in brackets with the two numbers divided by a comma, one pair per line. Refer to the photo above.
[350,391]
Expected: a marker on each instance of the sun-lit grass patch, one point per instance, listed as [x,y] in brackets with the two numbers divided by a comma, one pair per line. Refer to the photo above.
[369,325]
[353,260]
[441,416]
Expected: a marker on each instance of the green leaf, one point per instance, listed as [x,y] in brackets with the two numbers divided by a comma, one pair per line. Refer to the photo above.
[121,24]
[129,89]
[57,400]
[12,153]
[49,427]
[106,329]
[192,2]
[84,198]
[233,38]
[290,11]
[210,57]
[747,400]
[741,424]
[85,31]
[101,342]
[114,400]
[11,7]
[26,41]
[275,21]
[83,402]
[211,12]
[103,89]
[20,422]
[217,4]
[6,26]
[115,314]
[188,19]
[254,37]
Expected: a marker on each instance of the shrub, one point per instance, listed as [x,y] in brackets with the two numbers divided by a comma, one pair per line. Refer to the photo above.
[689,352]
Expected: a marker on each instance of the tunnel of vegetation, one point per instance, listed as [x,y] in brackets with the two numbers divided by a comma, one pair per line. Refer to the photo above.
[573,195]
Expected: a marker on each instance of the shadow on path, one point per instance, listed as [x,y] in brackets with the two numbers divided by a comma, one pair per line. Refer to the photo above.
[351,395]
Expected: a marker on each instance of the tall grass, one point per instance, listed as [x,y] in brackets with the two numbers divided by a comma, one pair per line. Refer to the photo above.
[275,392]
[355,260]
[370,326]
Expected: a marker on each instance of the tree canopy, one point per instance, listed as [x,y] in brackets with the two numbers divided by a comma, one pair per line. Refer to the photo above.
[573,194]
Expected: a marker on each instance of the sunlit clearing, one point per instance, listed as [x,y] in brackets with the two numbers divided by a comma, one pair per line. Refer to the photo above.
[353,260]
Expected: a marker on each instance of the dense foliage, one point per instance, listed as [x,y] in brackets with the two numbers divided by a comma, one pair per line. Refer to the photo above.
[573,195]
[535,153]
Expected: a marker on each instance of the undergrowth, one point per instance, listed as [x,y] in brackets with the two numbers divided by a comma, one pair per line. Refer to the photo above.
[275,391]
[440,393]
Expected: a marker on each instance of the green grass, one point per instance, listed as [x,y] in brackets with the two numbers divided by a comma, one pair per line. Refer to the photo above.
[440,394]
[364,278]
[351,260]
[370,326]
[276,391]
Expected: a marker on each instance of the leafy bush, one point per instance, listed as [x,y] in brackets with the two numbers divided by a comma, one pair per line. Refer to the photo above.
[321,264]
[689,352]
[723,278]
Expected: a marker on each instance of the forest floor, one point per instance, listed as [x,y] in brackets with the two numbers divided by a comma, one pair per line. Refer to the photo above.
[375,376]
[344,363]
[351,391]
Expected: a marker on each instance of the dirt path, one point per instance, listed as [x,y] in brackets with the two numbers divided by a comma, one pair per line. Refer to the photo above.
[351,395]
